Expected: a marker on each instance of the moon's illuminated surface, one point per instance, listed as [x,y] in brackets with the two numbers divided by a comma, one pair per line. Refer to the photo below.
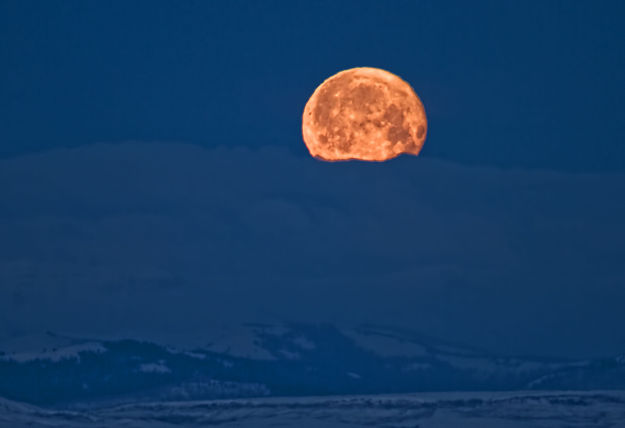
[363,113]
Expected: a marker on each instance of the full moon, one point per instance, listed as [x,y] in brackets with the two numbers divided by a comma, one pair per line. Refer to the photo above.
[363,113]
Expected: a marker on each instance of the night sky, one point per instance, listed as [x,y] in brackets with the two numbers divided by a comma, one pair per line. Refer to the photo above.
[154,181]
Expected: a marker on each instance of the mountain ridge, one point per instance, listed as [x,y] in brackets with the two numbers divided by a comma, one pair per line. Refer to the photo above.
[281,359]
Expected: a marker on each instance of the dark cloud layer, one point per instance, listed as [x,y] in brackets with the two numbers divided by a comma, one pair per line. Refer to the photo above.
[168,240]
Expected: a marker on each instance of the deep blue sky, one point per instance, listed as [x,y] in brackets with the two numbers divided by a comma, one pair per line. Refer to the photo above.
[528,84]
[507,232]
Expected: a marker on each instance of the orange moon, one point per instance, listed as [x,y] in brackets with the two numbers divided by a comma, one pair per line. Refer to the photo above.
[363,113]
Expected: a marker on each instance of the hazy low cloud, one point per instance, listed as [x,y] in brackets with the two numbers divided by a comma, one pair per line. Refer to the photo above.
[166,240]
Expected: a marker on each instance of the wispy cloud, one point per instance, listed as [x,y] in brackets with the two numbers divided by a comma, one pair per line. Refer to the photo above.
[166,239]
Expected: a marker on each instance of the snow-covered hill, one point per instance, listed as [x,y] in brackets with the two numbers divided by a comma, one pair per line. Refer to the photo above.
[287,360]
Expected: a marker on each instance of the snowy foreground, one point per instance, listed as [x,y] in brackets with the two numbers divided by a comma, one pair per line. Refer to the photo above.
[464,410]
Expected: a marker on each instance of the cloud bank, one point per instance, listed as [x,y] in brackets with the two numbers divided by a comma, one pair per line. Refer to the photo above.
[165,241]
